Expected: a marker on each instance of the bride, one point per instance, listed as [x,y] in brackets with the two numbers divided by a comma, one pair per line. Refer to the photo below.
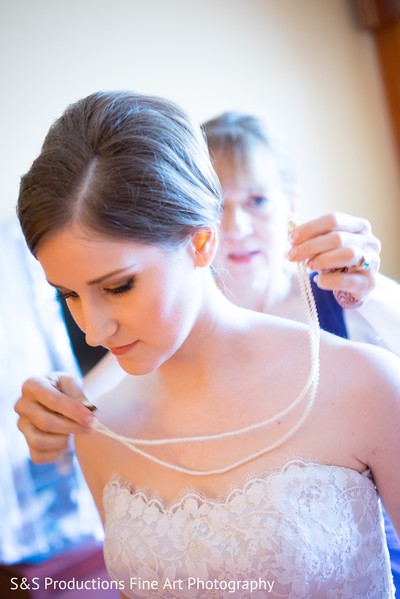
[240,448]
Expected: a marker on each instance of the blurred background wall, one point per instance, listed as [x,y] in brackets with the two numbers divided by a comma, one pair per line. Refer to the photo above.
[304,65]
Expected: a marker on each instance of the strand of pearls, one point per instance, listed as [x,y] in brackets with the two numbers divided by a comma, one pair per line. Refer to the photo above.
[310,387]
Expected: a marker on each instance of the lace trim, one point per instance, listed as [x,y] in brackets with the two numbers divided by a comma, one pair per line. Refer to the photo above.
[314,530]
[240,488]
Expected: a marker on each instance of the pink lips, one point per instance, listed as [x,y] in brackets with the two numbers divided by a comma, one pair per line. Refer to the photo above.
[120,351]
[242,257]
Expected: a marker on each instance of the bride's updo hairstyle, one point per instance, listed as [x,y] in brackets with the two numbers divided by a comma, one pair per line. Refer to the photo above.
[122,165]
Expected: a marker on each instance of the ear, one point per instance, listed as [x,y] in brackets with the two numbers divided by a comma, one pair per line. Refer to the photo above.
[204,246]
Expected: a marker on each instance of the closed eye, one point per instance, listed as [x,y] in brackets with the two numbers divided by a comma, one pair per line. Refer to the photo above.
[121,288]
[64,295]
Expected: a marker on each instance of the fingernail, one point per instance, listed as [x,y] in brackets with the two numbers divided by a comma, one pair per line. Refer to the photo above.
[293,236]
[292,253]
[89,421]
[89,405]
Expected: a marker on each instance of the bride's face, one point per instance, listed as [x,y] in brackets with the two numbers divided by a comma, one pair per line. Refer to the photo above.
[137,300]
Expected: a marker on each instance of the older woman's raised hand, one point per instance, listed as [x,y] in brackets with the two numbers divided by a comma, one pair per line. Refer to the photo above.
[344,252]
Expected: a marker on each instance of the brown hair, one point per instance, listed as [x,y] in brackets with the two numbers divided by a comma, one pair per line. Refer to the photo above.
[235,134]
[124,165]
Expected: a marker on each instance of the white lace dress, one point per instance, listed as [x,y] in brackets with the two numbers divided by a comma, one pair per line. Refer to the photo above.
[307,531]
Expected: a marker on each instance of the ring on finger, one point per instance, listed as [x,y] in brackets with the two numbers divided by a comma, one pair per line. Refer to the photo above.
[364,263]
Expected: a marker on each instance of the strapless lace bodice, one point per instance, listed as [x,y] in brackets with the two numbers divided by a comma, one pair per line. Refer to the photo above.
[305,531]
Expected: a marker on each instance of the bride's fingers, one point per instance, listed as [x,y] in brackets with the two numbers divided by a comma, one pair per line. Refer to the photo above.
[59,394]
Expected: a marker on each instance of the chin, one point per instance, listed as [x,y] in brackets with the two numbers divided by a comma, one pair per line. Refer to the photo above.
[133,368]
[137,368]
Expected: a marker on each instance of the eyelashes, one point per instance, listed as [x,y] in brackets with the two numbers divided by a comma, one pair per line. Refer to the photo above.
[121,289]
[113,291]
[64,295]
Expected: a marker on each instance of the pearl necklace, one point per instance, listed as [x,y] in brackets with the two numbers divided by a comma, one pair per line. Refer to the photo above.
[310,388]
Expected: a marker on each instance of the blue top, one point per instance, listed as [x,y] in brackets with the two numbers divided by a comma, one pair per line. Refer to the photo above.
[330,313]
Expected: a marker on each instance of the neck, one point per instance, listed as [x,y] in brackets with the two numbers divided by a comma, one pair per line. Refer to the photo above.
[199,354]
[261,295]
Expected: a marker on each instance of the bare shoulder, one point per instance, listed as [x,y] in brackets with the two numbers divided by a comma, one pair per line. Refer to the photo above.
[369,380]
[364,380]
[355,371]
[266,328]
[361,364]
[113,404]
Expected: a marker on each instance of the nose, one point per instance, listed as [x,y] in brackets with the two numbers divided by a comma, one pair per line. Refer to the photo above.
[96,322]
[236,222]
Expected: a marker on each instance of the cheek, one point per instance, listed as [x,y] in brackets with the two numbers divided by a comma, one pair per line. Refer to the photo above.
[274,235]
[76,313]
[171,309]
[161,310]
[176,307]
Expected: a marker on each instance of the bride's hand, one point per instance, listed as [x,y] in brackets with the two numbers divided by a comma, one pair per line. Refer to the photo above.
[50,409]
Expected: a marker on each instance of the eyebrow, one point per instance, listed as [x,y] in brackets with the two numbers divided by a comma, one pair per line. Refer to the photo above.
[102,278]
